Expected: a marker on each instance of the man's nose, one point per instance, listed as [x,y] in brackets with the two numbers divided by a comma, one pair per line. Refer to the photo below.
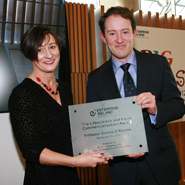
[119,38]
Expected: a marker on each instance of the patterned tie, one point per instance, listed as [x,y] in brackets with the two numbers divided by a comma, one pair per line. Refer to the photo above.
[129,87]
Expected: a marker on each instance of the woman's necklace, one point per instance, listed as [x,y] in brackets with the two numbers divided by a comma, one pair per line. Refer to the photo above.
[47,87]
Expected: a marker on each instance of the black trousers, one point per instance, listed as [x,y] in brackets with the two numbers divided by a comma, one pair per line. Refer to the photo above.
[140,173]
[144,175]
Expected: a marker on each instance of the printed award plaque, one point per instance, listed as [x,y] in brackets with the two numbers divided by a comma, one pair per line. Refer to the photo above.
[113,127]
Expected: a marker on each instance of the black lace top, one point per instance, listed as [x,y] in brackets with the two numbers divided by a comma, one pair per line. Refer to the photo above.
[39,122]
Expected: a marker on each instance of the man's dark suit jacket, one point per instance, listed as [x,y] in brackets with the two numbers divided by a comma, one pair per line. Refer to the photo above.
[153,75]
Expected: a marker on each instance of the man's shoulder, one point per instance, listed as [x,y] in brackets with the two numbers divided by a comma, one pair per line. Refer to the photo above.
[102,68]
[148,55]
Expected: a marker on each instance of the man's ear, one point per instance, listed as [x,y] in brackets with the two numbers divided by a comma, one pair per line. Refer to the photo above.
[135,32]
[103,38]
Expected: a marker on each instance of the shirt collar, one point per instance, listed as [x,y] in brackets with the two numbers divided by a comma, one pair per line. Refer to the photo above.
[116,64]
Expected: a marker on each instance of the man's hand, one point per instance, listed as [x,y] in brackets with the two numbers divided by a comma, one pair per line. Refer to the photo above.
[136,156]
[147,101]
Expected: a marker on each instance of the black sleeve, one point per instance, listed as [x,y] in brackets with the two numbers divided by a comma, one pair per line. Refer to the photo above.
[23,116]
[172,105]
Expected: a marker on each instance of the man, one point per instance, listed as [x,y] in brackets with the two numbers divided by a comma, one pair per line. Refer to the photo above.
[157,93]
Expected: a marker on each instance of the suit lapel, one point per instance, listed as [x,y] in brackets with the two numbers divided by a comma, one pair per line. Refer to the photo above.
[110,81]
[142,75]
[142,72]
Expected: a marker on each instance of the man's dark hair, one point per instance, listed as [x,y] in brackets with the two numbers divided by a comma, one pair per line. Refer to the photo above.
[124,12]
[33,39]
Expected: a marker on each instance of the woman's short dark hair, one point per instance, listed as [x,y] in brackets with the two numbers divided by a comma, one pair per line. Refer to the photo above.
[117,10]
[33,39]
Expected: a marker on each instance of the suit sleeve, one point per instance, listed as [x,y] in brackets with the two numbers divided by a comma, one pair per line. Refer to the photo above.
[92,96]
[171,106]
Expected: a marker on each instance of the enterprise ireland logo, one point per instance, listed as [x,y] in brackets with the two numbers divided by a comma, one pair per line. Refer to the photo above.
[103,111]
[92,113]
[142,33]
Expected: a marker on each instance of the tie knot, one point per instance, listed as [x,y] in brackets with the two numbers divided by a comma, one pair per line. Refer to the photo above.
[125,67]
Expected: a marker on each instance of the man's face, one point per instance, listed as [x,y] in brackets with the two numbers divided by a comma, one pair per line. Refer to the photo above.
[119,37]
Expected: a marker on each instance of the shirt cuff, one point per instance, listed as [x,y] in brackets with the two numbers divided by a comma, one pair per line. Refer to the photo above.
[153,118]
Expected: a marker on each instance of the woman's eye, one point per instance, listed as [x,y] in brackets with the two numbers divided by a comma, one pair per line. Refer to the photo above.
[39,50]
[52,47]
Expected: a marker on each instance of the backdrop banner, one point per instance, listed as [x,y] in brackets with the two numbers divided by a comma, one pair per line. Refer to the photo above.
[168,43]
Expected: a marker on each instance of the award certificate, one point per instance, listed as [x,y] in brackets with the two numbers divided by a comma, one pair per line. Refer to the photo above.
[113,127]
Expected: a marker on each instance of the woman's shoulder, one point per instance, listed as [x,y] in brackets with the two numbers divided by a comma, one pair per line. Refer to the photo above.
[63,85]
[65,90]
[23,89]
[23,86]
[21,93]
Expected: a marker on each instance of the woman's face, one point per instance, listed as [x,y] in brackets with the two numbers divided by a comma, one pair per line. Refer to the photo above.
[48,55]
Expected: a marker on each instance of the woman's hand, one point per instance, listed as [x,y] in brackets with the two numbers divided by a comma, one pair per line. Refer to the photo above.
[90,160]
[51,158]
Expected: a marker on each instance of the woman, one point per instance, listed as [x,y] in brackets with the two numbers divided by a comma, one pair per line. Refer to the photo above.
[39,115]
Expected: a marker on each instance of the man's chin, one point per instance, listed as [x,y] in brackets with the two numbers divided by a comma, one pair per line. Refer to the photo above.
[119,57]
